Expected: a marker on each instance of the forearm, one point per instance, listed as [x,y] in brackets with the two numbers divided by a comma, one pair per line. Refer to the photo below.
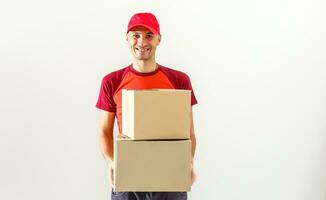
[106,141]
[106,134]
[192,138]
[193,146]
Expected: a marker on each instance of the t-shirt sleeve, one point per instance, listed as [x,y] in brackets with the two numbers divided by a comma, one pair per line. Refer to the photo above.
[105,99]
[186,84]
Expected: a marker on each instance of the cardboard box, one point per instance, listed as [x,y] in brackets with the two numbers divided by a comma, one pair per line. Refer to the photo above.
[152,165]
[156,114]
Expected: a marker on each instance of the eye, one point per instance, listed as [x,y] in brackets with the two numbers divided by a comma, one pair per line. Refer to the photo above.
[136,35]
[149,36]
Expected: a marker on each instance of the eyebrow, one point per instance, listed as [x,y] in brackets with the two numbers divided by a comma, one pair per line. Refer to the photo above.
[151,33]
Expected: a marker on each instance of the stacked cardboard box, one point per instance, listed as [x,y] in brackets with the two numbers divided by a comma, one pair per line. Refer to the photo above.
[156,154]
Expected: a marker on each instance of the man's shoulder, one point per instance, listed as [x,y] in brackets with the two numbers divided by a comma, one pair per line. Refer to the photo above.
[173,72]
[179,79]
[115,75]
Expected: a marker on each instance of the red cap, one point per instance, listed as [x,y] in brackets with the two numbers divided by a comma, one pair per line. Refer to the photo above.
[147,20]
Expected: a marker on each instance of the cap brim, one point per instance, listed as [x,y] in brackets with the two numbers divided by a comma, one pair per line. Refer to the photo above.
[143,25]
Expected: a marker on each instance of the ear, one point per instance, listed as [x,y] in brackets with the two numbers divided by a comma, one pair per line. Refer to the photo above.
[159,38]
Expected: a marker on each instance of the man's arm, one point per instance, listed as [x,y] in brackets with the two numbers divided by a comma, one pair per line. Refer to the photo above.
[106,135]
[192,137]
[193,148]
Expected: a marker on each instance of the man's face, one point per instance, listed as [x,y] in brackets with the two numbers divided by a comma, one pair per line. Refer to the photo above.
[142,43]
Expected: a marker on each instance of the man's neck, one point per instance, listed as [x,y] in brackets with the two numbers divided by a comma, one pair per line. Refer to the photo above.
[144,66]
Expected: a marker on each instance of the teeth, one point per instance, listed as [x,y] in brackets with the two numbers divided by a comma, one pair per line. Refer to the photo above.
[144,49]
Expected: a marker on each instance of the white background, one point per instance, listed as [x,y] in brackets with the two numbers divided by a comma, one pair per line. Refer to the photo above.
[257,68]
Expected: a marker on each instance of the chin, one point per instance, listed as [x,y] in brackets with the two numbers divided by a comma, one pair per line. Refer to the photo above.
[142,57]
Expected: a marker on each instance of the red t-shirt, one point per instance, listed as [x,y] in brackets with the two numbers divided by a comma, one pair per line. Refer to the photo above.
[128,78]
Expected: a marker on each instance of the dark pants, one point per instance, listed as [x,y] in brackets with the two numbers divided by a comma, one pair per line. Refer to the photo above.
[148,195]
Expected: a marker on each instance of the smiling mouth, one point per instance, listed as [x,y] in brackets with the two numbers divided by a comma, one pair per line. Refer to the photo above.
[142,49]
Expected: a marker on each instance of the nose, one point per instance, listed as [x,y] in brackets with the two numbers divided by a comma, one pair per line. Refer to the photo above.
[141,41]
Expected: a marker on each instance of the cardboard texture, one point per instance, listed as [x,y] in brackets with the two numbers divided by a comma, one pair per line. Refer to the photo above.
[152,165]
[156,114]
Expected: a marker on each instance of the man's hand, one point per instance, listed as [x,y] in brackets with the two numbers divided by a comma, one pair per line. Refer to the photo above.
[111,174]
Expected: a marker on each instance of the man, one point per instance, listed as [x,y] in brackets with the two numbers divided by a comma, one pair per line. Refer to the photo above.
[143,36]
